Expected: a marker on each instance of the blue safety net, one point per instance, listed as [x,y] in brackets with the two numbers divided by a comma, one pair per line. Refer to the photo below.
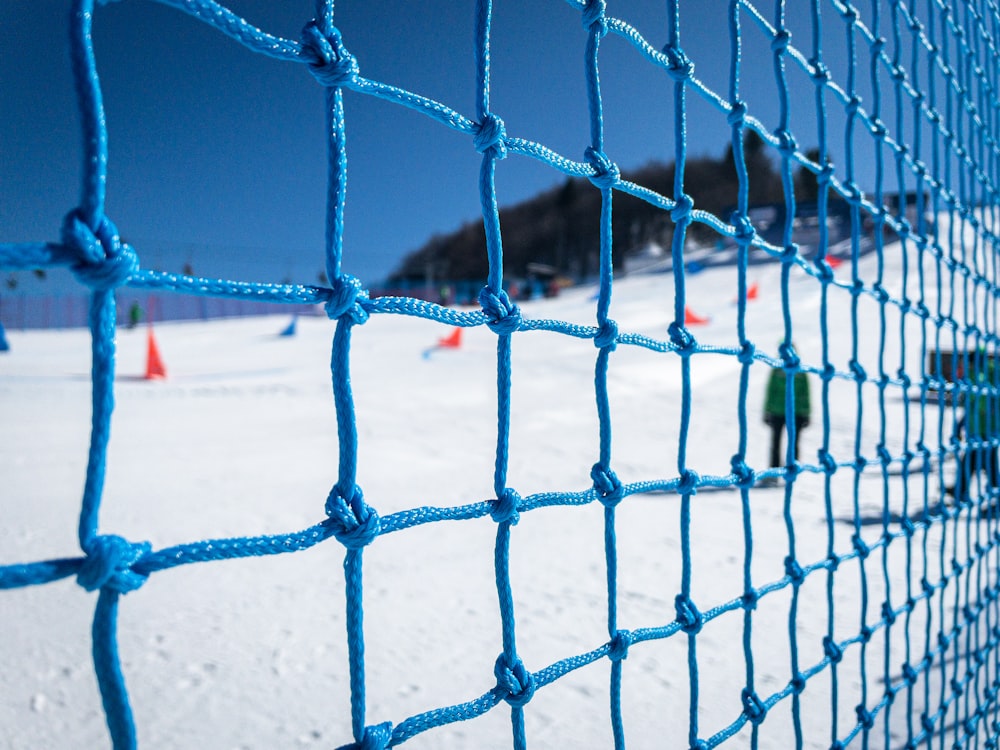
[924,650]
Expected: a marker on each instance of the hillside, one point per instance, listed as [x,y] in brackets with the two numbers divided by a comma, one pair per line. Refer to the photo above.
[560,227]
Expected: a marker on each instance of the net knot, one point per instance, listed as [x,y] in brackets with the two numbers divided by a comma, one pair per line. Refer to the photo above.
[688,615]
[779,43]
[108,564]
[750,599]
[490,136]
[858,371]
[798,683]
[376,737]
[926,723]
[957,688]
[329,61]
[860,546]
[679,65]
[745,231]
[681,338]
[607,335]
[909,674]
[753,708]
[852,106]
[681,211]
[688,484]
[884,456]
[502,315]
[790,253]
[865,717]
[618,646]
[794,571]
[103,260]
[820,73]
[827,461]
[737,113]
[832,649]
[745,476]
[878,129]
[606,172]
[347,297]
[789,357]
[787,144]
[607,485]
[990,693]
[504,508]
[880,293]
[849,14]
[891,691]
[888,614]
[593,13]
[515,684]
[970,614]
[353,528]
[908,528]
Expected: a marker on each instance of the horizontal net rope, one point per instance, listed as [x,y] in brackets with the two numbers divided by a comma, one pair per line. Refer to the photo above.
[923,649]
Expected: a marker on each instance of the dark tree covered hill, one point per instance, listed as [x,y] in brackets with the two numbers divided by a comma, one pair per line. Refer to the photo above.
[560,228]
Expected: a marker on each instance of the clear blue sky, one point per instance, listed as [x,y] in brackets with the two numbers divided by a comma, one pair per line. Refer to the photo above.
[218,154]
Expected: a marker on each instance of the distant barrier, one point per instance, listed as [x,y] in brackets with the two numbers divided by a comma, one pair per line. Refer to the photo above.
[23,312]
[931,129]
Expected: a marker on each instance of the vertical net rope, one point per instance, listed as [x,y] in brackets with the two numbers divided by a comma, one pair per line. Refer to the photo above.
[923,653]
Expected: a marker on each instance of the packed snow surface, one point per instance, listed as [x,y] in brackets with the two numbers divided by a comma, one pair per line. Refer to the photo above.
[241,440]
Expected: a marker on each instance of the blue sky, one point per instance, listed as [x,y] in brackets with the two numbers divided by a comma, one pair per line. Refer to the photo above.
[218,154]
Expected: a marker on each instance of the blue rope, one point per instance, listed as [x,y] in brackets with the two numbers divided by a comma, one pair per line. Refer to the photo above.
[933,66]
[606,482]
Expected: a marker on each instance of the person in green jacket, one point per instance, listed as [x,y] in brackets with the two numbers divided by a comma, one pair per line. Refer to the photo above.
[134,315]
[774,411]
[980,424]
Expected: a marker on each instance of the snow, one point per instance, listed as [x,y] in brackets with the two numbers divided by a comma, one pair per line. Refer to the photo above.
[241,439]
